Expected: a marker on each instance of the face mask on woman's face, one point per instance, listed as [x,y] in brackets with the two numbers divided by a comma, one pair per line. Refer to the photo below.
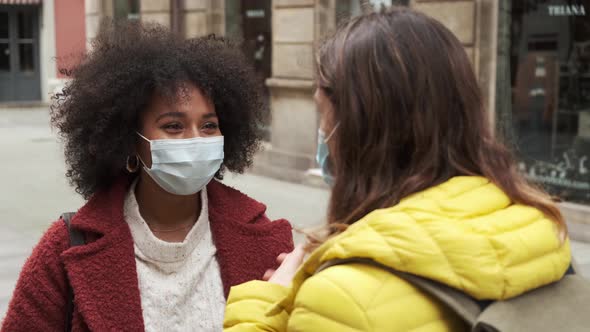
[323,154]
[184,166]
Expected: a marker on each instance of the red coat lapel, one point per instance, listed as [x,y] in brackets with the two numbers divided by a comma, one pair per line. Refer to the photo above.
[247,242]
[102,273]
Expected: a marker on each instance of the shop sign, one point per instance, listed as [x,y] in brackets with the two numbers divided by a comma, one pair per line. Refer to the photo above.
[567,10]
[255,13]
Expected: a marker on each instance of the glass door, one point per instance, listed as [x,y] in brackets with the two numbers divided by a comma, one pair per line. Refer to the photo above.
[19,54]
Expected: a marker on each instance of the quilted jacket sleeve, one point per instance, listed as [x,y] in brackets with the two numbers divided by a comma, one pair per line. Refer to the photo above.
[358,297]
[248,304]
[352,297]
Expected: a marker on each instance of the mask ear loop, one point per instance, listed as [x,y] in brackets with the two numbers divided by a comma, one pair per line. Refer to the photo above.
[332,133]
[145,138]
[138,156]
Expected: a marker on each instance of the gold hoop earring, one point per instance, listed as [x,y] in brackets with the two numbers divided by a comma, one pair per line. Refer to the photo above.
[132,164]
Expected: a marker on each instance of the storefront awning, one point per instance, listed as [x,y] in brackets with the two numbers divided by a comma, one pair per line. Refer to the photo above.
[21,2]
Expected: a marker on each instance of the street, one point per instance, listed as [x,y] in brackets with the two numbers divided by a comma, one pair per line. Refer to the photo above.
[35,192]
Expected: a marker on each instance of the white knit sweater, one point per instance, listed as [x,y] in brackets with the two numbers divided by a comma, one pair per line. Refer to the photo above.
[179,283]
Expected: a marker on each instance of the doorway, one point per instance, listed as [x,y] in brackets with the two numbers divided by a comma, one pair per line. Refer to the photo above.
[19,54]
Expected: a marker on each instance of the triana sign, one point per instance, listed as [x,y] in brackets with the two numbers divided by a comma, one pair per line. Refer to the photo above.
[566,10]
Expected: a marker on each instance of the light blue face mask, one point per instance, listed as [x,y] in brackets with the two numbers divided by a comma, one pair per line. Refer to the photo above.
[323,153]
[184,166]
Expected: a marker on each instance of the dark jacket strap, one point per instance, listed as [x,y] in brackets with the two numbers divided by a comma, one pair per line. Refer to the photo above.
[76,239]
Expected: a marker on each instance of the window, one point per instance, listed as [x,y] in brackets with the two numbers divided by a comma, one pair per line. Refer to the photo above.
[4,42]
[550,78]
[126,9]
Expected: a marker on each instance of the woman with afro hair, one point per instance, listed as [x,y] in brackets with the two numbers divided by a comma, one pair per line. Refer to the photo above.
[150,122]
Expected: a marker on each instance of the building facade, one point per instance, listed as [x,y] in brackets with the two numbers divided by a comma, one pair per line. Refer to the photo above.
[37,39]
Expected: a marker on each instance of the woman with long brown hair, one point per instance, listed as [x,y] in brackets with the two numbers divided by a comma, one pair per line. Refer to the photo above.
[420,186]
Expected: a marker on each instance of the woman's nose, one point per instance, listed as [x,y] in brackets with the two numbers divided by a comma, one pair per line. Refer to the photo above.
[192,131]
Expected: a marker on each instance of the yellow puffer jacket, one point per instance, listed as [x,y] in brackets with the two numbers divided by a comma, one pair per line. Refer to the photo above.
[464,233]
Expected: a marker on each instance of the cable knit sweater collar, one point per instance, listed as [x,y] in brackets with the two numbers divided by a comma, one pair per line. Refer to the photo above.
[179,282]
[158,251]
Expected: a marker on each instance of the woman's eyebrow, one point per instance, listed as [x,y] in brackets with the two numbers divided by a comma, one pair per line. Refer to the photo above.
[172,114]
[209,116]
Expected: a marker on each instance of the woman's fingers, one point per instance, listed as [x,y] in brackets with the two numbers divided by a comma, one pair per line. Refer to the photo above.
[268,274]
[291,262]
[295,258]
[297,252]
[281,257]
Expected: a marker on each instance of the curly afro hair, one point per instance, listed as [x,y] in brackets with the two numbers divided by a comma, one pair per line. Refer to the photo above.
[98,112]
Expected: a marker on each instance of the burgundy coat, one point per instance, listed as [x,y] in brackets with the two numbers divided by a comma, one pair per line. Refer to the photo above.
[102,272]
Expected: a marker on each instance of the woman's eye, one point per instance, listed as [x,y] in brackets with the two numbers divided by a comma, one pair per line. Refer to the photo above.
[173,126]
[211,126]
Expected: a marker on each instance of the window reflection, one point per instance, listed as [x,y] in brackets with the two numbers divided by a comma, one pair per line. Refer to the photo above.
[25,25]
[126,9]
[26,57]
[4,57]
[3,25]
[551,94]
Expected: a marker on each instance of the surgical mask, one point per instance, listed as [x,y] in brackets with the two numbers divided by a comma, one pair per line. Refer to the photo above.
[184,166]
[323,154]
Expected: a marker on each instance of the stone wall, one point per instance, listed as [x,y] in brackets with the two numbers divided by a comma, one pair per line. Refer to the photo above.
[458,16]
[155,11]
[95,11]
[296,26]
[474,22]
[204,17]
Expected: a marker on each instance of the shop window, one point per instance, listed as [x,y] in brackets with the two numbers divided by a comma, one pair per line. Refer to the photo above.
[26,58]
[126,9]
[4,43]
[3,25]
[250,23]
[4,57]
[550,78]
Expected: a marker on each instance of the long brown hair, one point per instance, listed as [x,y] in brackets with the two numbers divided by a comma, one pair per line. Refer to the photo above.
[410,115]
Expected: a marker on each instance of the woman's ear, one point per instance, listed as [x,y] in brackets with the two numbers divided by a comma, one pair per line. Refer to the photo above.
[325,110]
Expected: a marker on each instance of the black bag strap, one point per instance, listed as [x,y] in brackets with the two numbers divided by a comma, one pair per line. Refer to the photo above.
[76,239]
